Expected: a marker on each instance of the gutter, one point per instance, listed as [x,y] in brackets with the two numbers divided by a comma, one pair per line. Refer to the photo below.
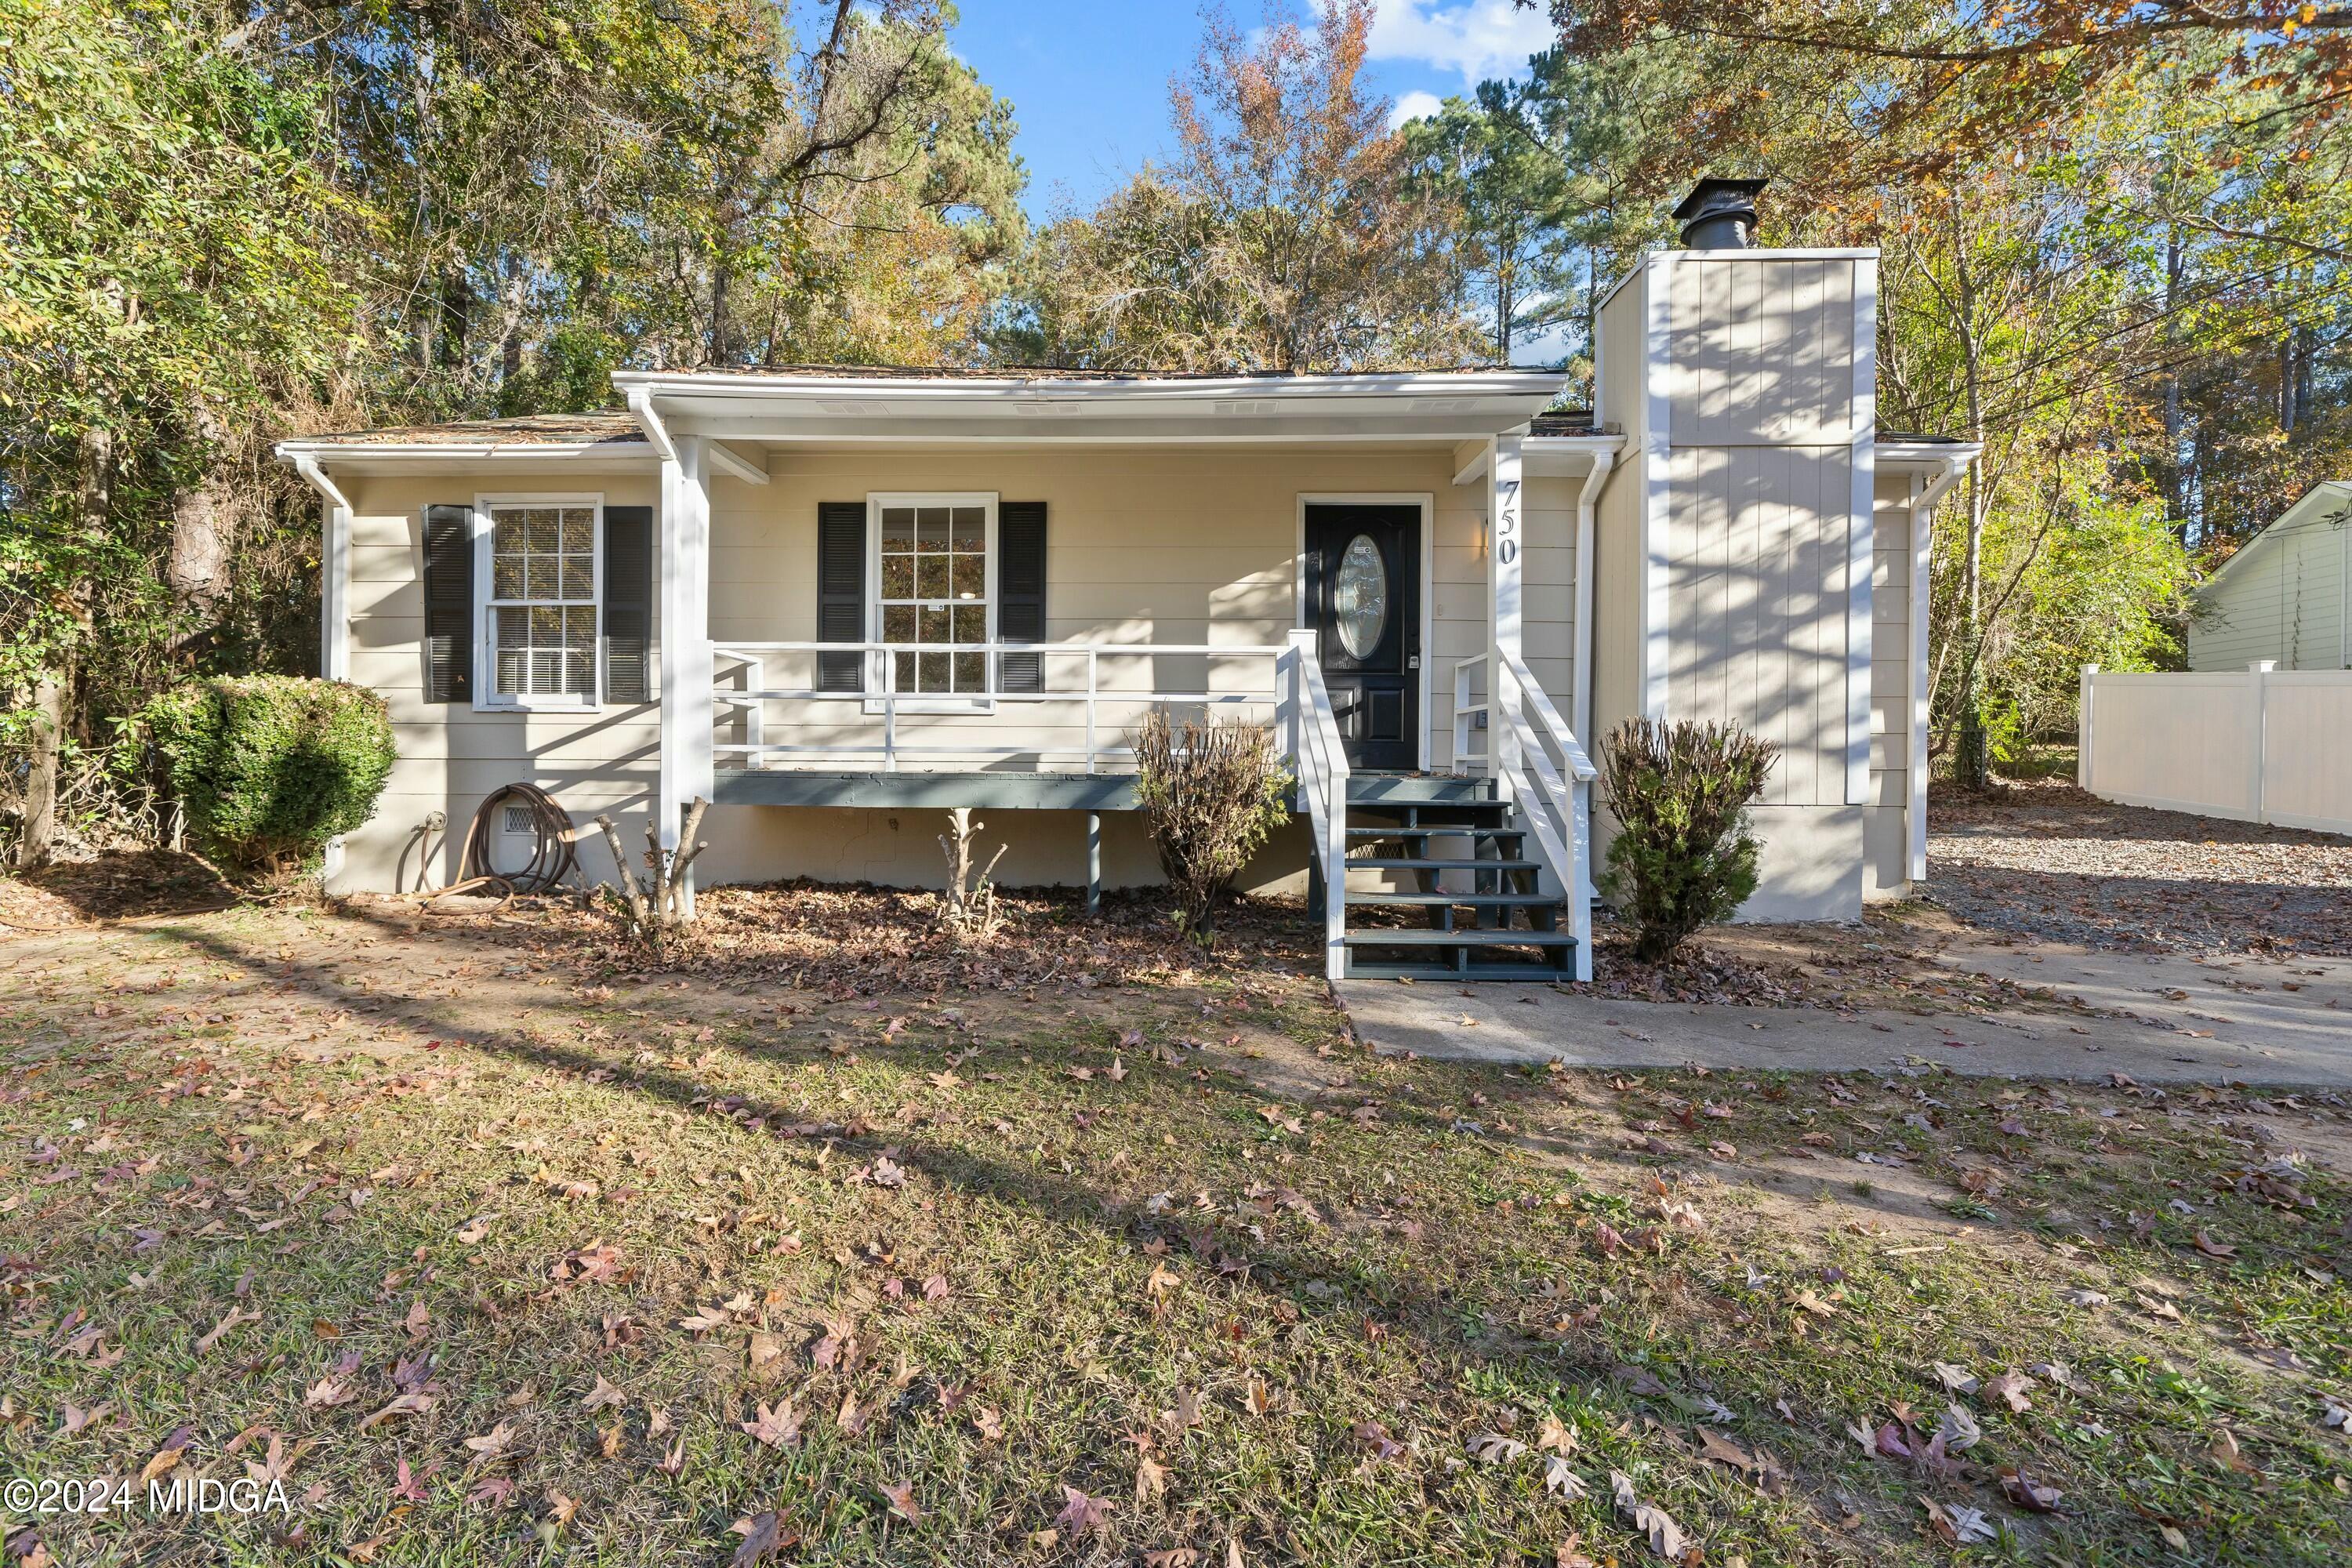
[1604,463]
[641,405]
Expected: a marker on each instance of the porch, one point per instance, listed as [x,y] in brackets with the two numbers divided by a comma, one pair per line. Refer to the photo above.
[896,594]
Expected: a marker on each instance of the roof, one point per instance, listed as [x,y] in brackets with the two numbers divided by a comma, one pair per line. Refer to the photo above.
[2310,509]
[1919,437]
[531,430]
[1564,422]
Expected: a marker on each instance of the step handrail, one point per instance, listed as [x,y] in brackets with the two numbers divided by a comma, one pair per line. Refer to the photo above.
[1555,796]
[1318,755]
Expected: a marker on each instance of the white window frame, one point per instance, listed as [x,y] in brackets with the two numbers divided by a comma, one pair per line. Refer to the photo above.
[487,698]
[875,501]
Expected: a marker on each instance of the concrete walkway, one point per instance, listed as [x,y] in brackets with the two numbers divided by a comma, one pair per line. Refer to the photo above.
[2197,1022]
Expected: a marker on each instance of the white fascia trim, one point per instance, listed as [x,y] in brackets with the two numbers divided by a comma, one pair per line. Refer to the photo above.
[444,451]
[1000,389]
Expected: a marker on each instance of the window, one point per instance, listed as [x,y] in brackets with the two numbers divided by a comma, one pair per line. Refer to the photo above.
[541,591]
[936,585]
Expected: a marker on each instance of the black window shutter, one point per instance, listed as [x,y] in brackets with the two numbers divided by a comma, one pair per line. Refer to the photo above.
[840,591]
[629,603]
[448,604]
[1021,591]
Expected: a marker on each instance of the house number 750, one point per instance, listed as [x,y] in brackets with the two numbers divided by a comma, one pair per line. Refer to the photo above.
[1507,522]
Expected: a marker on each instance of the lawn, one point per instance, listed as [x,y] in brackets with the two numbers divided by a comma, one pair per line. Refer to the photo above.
[488,1243]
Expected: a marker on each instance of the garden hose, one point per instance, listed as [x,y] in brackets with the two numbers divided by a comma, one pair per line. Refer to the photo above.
[552,860]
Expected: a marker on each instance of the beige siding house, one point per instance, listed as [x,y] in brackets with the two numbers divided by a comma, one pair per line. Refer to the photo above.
[833,602]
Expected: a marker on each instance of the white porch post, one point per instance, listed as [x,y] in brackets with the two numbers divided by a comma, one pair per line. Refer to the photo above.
[1505,544]
[688,668]
[334,604]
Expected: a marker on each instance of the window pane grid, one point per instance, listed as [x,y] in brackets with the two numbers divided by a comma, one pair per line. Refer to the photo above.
[542,600]
[934,596]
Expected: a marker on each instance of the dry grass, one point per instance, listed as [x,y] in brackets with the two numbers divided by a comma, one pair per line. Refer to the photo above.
[1089,1215]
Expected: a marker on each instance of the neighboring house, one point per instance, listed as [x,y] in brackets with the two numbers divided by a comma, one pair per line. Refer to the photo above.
[2283,596]
[834,601]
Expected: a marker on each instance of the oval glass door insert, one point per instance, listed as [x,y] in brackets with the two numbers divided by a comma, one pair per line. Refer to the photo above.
[1360,597]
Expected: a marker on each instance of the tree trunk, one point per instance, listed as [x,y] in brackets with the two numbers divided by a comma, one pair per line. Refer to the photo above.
[38,840]
[197,568]
[53,687]
[1972,759]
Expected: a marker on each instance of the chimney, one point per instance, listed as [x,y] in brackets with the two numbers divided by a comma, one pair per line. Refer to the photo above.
[1719,214]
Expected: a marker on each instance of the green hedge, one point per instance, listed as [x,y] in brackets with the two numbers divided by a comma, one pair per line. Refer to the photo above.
[270,767]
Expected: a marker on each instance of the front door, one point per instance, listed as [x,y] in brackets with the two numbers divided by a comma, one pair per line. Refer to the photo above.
[1363,601]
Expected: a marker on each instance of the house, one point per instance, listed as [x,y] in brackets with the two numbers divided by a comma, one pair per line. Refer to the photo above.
[833,601]
[2283,596]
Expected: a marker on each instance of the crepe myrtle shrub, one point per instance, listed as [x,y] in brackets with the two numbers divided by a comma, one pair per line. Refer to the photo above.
[1683,857]
[1211,792]
[267,768]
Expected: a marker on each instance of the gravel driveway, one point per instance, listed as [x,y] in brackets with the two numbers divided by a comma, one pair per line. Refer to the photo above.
[2051,862]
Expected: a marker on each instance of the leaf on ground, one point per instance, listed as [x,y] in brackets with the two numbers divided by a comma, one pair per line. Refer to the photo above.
[2012,1389]
[774,1426]
[1173,1557]
[493,1445]
[1958,1429]
[1493,1449]
[988,1422]
[2028,1493]
[2213,1248]
[1555,1436]
[1666,1538]
[1958,1379]
[1150,1477]
[327,1393]
[764,1536]
[1561,1482]
[401,1405]
[1080,1513]
[901,1497]
[219,1331]
[1959,1525]
[1713,1445]
[603,1394]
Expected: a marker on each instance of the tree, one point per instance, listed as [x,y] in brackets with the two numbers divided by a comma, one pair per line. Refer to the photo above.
[1288,234]
[159,283]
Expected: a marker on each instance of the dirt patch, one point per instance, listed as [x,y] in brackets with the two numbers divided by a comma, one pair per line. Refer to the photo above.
[137,884]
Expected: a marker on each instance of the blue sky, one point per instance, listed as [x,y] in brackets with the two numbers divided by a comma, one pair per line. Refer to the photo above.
[1088,79]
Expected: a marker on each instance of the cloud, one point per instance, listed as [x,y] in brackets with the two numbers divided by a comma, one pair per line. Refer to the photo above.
[1413,105]
[1476,39]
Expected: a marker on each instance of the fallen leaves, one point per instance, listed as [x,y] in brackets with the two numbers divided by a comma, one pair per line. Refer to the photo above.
[1081,1514]
[220,1331]
[1655,1524]
[2011,1388]
[900,1495]
[774,1426]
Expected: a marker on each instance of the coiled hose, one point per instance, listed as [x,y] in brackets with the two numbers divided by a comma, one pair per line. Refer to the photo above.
[553,860]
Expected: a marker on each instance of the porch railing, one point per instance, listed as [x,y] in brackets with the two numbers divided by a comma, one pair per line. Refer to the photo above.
[1292,694]
[879,706]
[1318,755]
[1538,764]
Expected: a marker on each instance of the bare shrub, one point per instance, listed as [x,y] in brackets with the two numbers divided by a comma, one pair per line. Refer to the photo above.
[1211,793]
[968,909]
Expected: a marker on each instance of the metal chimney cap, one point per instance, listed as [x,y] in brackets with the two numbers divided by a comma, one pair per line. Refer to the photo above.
[1719,214]
[1712,196]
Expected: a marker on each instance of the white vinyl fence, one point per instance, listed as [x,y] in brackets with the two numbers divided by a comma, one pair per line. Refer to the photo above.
[2268,746]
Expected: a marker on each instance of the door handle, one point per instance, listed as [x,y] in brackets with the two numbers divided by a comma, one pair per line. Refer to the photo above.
[1412,661]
